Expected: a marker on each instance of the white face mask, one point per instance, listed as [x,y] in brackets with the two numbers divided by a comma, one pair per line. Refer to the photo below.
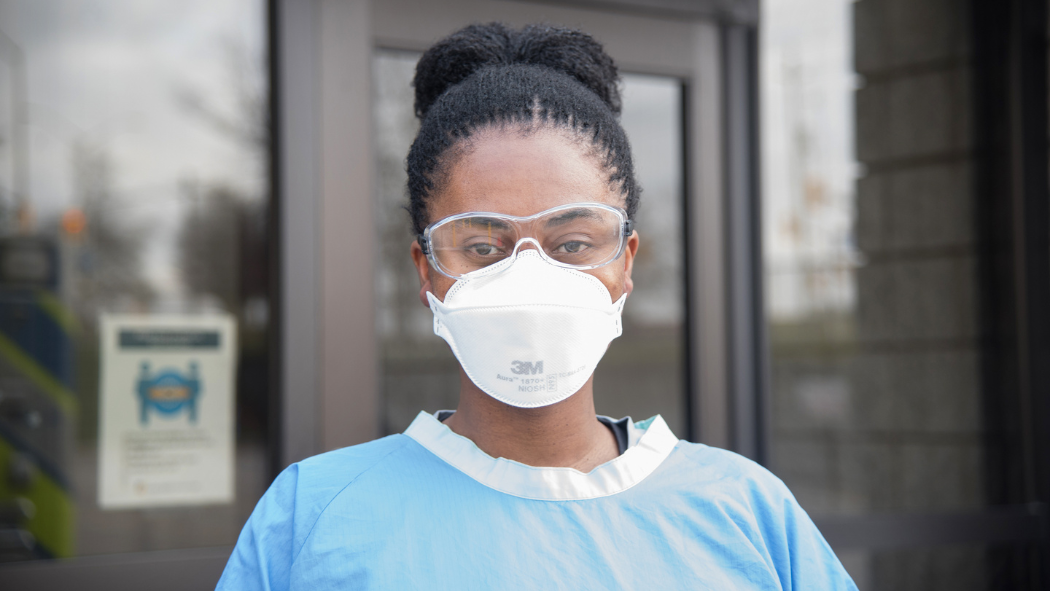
[527,332]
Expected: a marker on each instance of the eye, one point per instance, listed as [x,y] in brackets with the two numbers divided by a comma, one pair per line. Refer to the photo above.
[572,247]
[482,248]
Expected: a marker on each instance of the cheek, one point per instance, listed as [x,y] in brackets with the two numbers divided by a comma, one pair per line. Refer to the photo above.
[611,276]
[440,284]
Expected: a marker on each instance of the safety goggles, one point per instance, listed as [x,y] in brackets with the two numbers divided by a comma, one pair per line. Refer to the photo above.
[576,236]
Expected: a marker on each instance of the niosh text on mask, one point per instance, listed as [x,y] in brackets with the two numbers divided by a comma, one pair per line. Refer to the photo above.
[527,332]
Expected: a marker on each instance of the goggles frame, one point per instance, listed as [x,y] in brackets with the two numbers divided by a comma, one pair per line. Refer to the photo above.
[626,229]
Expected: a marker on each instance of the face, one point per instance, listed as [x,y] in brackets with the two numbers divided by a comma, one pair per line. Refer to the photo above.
[515,174]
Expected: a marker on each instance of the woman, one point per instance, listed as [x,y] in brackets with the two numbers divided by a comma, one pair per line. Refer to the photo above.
[522,194]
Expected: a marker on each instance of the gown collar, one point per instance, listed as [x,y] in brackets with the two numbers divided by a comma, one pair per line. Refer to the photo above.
[651,441]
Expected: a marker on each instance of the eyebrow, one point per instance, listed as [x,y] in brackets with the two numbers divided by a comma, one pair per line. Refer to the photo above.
[570,215]
[494,223]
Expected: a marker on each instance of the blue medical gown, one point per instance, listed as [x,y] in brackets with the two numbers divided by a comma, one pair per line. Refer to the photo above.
[400,514]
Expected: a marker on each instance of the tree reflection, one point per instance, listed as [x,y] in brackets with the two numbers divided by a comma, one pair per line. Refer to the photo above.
[109,256]
[222,244]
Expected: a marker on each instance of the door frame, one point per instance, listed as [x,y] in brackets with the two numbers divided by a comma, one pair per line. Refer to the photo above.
[327,371]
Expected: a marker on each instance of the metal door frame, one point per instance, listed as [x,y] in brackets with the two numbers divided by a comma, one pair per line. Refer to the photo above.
[327,370]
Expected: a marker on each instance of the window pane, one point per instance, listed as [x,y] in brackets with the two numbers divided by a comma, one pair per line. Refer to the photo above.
[961,566]
[873,289]
[419,371]
[642,373]
[133,184]
[870,268]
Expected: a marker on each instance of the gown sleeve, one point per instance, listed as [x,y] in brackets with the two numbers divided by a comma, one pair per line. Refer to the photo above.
[802,557]
[262,558]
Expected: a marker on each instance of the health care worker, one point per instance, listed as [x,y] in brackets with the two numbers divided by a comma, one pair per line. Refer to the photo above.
[522,195]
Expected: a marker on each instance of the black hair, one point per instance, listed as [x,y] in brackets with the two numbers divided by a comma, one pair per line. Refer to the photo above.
[490,75]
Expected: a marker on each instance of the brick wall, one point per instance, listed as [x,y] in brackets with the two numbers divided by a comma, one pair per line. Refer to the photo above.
[916,321]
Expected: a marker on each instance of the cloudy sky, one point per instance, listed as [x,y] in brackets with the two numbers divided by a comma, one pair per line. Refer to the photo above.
[108,74]
[808,162]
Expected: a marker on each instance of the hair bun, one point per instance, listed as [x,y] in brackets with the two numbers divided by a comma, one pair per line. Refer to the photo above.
[456,57]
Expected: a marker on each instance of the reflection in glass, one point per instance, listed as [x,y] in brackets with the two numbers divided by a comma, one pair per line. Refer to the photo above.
[958,566]
[642,373]
[133,142]
[869,272]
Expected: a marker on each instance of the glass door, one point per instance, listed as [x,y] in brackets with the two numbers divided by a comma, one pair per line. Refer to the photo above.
[418,369]
[134,275]
[884,420]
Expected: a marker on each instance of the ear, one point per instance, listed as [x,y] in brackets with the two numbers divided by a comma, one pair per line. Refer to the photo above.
[423,270]
[629,251]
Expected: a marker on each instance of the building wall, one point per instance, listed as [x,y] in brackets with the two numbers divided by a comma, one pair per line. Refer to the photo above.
[919,447]
[871,266]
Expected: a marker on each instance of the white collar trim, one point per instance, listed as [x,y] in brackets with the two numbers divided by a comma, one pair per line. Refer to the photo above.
[654,444]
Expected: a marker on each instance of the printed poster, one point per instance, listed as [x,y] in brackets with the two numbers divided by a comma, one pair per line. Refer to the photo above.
[166,411]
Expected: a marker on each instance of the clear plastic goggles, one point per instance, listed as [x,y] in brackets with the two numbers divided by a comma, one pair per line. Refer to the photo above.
[577,236]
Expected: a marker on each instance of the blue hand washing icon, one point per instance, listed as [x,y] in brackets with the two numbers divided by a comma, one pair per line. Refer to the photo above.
[168,391]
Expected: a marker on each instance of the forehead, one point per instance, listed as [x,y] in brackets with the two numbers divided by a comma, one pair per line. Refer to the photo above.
[506,171]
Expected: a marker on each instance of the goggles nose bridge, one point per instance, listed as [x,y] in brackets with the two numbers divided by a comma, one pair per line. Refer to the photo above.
[521,241]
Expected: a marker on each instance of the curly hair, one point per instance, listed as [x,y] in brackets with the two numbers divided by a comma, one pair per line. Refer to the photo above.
[490,75]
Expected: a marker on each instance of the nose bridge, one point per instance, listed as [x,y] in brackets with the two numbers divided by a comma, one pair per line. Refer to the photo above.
[524,242]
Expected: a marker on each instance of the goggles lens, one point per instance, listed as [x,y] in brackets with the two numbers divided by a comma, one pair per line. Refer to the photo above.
[580,236]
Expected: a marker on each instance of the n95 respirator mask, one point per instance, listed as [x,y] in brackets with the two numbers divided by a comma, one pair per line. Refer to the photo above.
[527,332]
